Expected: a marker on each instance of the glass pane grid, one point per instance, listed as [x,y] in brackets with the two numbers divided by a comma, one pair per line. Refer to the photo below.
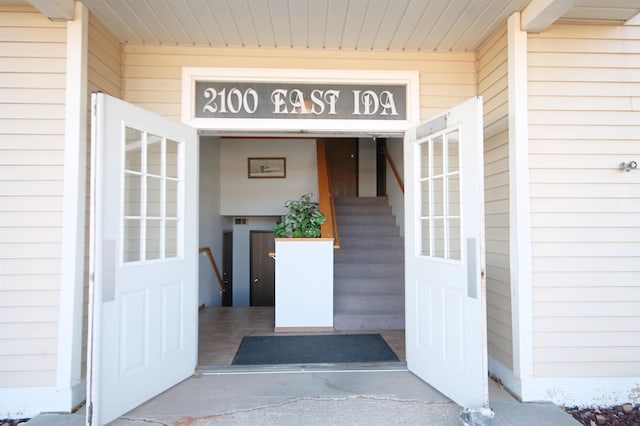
[151,197]
[439,182]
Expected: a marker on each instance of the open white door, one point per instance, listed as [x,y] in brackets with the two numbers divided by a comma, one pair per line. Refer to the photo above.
[444,252]
[143,298]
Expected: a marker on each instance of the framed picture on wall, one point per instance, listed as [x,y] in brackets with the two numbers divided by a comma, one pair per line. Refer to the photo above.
[267,167]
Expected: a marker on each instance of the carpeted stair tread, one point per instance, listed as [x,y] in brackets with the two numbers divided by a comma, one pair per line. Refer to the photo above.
[372,321]
[369,267]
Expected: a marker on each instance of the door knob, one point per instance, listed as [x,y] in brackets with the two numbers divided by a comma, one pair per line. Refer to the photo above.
[255,280]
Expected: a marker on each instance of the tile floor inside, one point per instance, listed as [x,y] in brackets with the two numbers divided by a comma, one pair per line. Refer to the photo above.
[221,330]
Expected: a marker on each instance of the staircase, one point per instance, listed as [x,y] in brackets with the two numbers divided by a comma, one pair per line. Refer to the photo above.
[369,266]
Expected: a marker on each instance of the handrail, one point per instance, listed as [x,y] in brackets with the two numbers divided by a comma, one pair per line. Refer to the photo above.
[329,229]
[393,168]
[207,251]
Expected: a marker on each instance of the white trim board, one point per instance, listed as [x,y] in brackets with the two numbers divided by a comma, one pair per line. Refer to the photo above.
[69,365]
[569,391]
[506,376]
[191,75]
[583,391]
[28,402]
[519,203]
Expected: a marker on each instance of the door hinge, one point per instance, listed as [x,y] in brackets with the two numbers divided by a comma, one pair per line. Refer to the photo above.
[90,414]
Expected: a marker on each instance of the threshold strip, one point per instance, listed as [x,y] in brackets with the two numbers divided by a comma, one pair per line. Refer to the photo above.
[215,370]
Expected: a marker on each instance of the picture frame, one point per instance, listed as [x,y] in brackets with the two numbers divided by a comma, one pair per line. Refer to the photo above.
[267,167]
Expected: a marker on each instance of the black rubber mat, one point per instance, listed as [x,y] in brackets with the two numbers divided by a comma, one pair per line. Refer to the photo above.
[313,349]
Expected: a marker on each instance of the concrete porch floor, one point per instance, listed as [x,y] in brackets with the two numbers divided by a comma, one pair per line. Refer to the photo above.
[344,394]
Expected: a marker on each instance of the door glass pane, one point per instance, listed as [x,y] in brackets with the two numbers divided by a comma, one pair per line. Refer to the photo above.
[131,240]
[154,239]
[425,198]
[425,250]
[172,148]
[455,251]
[454,195]
[132,194]
[171,238]
[154,196]
[438,197]
[133,150]
[154,155]
[438,159]
[172,198]
[424,160]
[453,151]
[438,238]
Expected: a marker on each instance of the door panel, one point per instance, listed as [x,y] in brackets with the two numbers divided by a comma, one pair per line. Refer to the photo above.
[444,254]
[342,162]
[263,269]
[143,301]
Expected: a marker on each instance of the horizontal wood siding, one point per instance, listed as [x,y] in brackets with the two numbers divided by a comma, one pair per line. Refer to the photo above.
[584,120]
[152,74]
[104,74]
[32,108]
[493,86]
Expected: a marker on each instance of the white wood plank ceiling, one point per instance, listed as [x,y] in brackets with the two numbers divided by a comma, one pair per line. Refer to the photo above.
[397,25]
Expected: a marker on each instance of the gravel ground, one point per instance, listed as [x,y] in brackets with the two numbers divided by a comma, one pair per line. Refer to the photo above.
[621,415]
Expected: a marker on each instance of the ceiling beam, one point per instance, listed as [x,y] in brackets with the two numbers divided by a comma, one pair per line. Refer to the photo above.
[540,14]
[56,10]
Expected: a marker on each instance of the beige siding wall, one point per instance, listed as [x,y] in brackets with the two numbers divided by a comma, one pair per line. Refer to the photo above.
[104,73]
[104,61]
[152,74]
[493,85]
[584,120]
[32,96]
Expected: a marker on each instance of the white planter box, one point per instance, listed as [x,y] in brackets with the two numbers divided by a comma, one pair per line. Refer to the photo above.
[304,284]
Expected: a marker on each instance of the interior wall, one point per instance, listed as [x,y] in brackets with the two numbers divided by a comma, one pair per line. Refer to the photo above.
[366,167]
[244,196]
[211,223]
[395,150]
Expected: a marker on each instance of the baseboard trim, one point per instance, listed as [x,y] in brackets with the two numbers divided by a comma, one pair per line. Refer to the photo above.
[505,375]
[27,402]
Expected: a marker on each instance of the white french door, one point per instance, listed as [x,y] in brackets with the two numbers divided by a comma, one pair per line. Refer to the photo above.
[444,251]
[143,301]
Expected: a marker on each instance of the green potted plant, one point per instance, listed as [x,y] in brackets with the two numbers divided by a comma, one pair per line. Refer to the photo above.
[303,219]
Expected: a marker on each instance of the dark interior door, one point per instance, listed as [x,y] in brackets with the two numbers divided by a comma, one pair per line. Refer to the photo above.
[342,162]
[227,268]
[263,269]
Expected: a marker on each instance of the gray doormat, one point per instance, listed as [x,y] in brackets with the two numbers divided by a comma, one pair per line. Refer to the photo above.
[313,349]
